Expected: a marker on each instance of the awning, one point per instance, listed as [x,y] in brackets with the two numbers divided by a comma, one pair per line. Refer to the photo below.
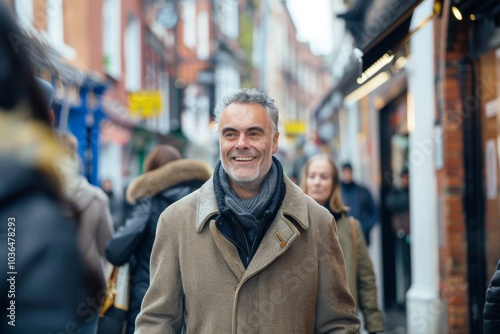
[486,27]
[379,26]
[346,84]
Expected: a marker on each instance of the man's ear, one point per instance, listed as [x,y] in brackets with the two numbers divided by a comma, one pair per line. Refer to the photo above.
[275,141]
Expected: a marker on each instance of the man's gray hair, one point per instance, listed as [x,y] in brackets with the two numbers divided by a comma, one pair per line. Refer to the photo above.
[248,96]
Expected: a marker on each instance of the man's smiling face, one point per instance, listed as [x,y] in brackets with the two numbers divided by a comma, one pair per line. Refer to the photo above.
[247,142]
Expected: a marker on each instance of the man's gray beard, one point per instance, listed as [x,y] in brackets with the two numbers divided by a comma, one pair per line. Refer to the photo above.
[253,185]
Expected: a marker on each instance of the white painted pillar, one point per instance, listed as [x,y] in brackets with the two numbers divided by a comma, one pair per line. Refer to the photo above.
[423,305]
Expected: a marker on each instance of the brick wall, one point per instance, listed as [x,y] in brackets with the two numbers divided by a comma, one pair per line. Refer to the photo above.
[453,246]
[76,31]
[454,39]
[40,14]
[488,77]
[95,27]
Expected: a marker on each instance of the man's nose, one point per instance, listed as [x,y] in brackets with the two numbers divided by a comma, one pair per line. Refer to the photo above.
[242,142]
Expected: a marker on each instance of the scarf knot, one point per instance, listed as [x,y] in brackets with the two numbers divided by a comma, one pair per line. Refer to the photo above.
[252,215]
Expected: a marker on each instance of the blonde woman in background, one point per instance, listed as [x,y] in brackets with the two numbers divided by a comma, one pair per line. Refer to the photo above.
[88,206]
[320,180]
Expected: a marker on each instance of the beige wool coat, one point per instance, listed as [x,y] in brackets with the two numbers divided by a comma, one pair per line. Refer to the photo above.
[360,274]
[296,282]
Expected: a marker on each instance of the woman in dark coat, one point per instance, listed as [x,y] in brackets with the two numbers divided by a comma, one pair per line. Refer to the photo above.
[167,179]
[491,313]
[42,270]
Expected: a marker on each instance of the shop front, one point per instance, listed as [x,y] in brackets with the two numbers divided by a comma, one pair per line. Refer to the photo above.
[365,120]
[481,99]
[467,72]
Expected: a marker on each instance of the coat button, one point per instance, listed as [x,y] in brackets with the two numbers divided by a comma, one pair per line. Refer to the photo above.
[283,244]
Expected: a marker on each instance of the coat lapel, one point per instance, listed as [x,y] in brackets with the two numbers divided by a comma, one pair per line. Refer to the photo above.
[276,242]
[207,209]
[282,232]
[228,251]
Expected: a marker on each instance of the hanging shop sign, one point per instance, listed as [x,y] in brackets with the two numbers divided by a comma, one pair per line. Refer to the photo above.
[295,128]
[145,104]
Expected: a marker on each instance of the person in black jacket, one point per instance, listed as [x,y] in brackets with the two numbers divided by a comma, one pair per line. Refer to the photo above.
[491,312]
[359,200]
[167,179]
[41,267]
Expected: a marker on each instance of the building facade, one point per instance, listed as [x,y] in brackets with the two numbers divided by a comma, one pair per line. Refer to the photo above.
[424,97]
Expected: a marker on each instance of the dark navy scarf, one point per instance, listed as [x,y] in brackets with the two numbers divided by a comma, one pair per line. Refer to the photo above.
[247,231]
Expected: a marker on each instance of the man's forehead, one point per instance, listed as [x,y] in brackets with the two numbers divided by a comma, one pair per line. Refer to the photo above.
[244,107]
[244,112]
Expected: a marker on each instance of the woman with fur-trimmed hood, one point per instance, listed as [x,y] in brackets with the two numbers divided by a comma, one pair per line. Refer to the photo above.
[167,178]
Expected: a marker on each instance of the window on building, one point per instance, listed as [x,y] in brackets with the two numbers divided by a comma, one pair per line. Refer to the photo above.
[111,16]
[54,15]
[228,19]
[189,26]
[24,11]
[133,55]
[55,22]
[203,46]
[255,50]
[227,80]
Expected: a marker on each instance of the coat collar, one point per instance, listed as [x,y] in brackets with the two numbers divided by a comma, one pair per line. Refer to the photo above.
[277,239]
[293,205]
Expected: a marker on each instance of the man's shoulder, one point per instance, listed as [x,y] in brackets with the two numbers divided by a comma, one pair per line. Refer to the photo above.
[319,215]
[303,207]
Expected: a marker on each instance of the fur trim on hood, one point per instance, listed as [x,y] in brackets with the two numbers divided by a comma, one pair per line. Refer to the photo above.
[171,174]
[30,142]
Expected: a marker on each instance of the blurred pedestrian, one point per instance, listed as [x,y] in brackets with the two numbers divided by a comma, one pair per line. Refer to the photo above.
[47,92]
[491,311]
[299,159]
[114,205]
[398,203]
[248,251]
[107,187]
[359,200]
[42,270]
[320,180]
[167,179]
[88,206]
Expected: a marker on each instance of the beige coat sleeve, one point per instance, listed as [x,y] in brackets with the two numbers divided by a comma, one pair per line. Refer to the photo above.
[162,307]
[335,308]
[367,289]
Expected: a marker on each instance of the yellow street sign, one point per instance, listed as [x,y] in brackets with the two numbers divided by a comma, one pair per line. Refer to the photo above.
[294,128]
[145,104]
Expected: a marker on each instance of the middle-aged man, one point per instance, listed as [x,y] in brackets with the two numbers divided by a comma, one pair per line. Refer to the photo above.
[248,252]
